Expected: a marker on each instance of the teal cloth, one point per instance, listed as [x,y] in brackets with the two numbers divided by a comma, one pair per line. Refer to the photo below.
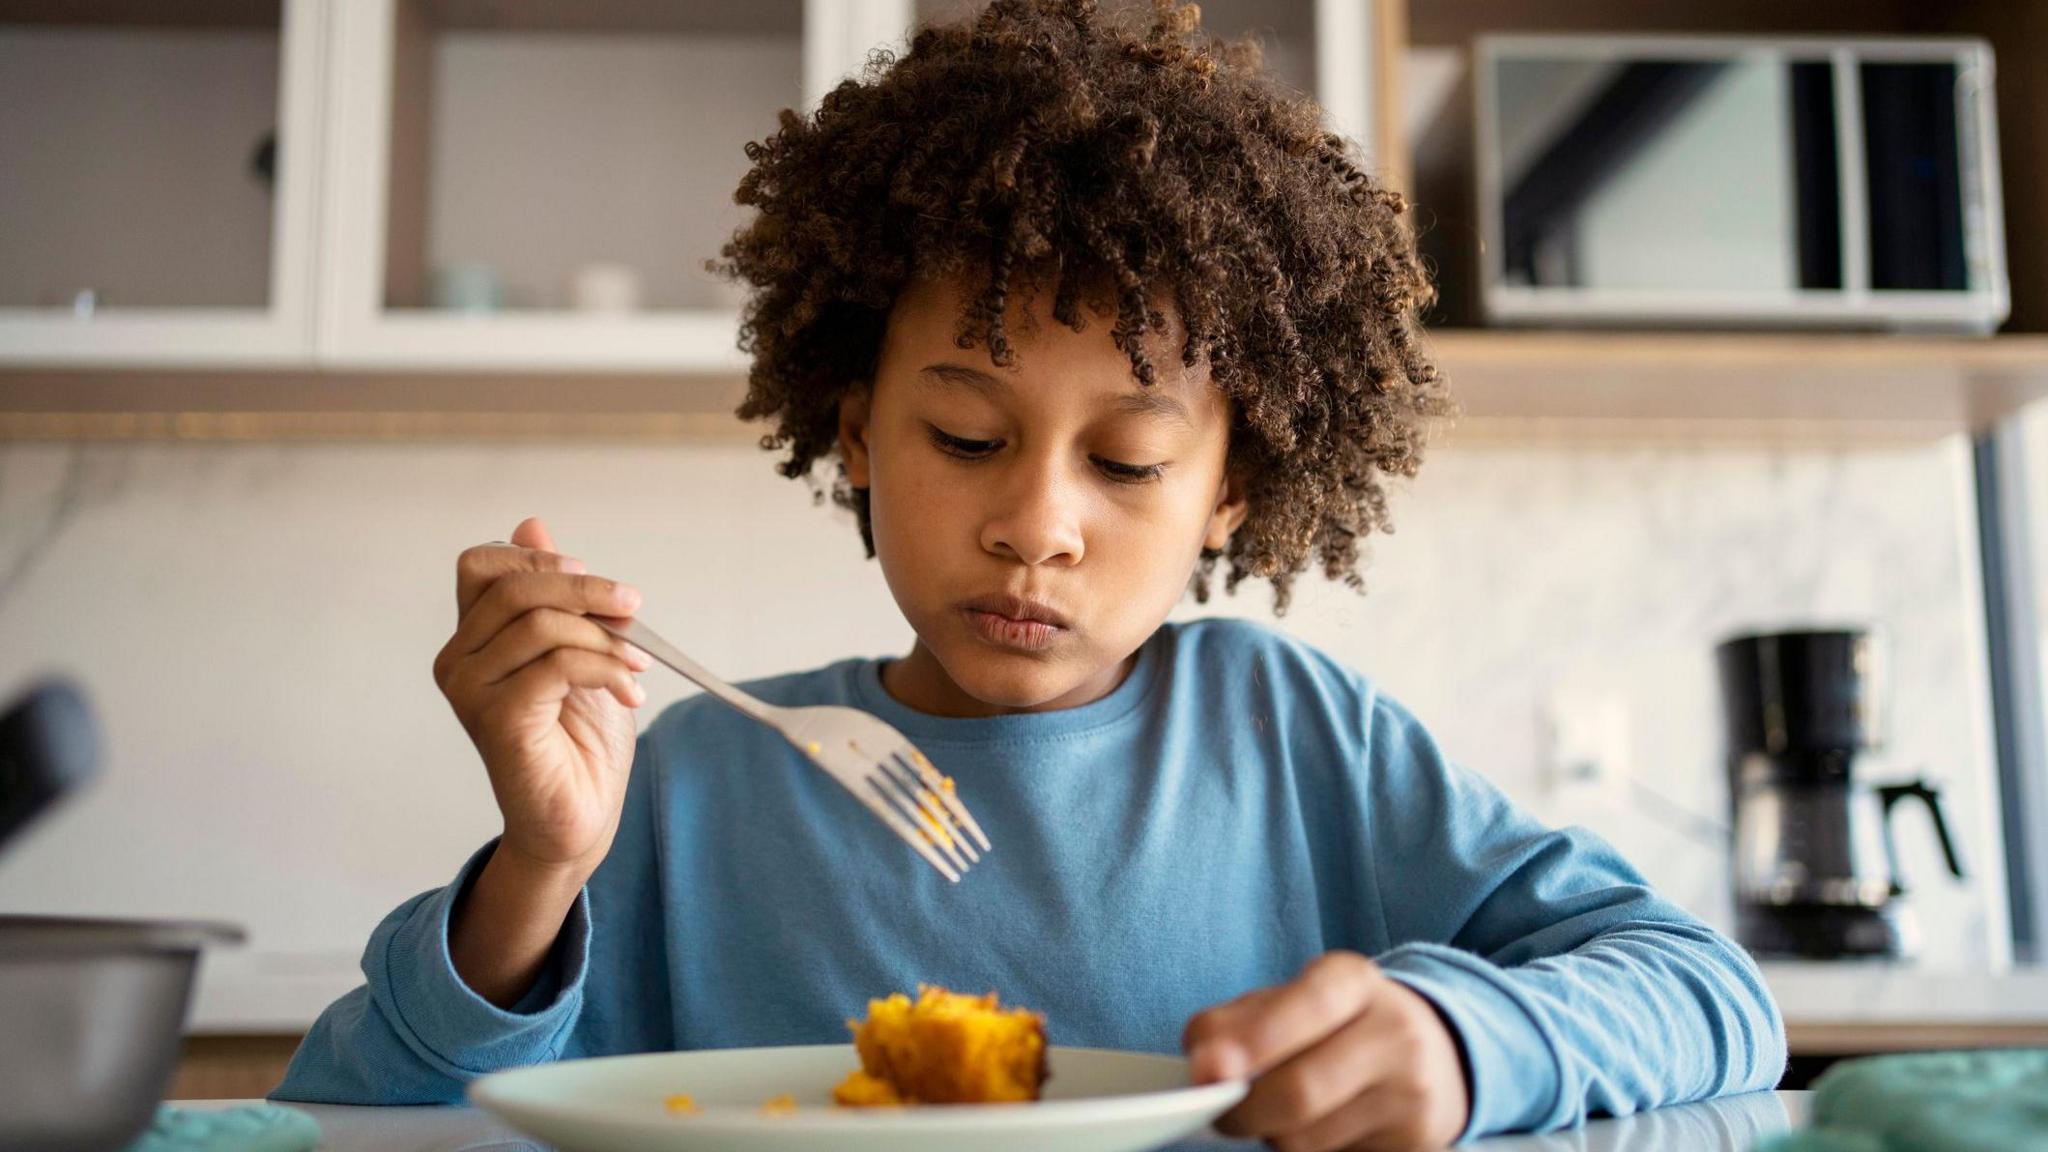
[250,1128]
[1929,1102]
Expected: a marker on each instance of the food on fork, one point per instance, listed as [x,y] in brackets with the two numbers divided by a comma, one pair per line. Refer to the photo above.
[946,1048]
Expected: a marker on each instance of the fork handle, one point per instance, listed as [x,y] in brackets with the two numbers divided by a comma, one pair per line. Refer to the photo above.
[644,638]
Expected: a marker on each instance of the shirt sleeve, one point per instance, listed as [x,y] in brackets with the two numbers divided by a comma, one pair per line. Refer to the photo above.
[415,1033]
[1573,989]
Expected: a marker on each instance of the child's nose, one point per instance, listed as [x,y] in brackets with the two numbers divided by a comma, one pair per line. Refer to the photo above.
[1036,516]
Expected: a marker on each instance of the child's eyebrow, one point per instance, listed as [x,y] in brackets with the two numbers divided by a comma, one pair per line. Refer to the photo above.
[1146,402]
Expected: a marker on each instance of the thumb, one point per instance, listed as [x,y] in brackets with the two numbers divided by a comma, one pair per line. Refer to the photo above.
[531,533]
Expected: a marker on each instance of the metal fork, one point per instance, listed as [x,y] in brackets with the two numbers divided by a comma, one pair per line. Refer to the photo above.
[868,758]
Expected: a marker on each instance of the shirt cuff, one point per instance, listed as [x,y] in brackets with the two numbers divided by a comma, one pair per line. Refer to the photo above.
[1515,1076]
[446,1020]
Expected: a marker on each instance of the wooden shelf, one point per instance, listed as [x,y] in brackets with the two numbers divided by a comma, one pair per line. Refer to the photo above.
[1744,386]
[1522,387]
[1862,1039]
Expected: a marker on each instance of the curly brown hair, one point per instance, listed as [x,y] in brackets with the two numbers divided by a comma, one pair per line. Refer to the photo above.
[1040,143]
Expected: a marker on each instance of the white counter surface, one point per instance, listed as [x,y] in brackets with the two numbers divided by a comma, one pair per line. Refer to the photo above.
[242,994]
[1731,1124]
[1879,993]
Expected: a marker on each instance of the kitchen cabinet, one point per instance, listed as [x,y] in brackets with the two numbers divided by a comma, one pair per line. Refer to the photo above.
[163,170]
[455,175]
[531,154]
[488,153]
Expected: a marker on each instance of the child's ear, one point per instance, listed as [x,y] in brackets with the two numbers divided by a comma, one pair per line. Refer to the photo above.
[1229,512]
[853,434]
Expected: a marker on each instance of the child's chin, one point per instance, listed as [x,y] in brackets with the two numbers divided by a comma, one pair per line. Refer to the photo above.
[1010,681]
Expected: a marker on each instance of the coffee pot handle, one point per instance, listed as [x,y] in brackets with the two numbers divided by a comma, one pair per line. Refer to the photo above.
[1890,794]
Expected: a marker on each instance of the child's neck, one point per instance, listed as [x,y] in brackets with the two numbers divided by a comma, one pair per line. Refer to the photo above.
[920,682]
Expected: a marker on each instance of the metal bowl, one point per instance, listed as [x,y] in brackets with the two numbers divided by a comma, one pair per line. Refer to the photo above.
[92,1017]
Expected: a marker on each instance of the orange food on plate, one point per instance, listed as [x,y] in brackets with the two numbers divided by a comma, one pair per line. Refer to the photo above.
[779,1105]
[682,1104]
[945,1048]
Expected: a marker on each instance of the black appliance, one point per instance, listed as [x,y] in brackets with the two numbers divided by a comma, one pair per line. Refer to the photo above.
[1816,875]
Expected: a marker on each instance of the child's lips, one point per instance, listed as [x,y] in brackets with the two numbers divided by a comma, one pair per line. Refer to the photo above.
[1022,634]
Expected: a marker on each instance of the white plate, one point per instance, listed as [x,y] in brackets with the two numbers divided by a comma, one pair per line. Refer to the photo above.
[1096,1101]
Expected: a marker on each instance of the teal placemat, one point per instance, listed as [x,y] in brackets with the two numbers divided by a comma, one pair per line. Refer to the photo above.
[249,1128]
[1929,1102]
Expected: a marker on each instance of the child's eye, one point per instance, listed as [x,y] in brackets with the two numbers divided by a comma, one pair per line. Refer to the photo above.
[1129,473]
[958,446]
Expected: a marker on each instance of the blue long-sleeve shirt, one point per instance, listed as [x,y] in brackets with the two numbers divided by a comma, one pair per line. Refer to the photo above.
[1238,805]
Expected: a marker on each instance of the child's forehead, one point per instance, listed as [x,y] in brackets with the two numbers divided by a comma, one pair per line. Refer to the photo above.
[926,320]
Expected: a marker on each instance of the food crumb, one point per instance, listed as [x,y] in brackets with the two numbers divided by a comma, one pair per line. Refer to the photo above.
[814,747]
[779,1105]
[934,831]
[682,1104]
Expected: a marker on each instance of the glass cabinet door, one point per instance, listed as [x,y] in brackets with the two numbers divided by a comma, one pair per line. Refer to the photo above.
[159,179]
[539,183]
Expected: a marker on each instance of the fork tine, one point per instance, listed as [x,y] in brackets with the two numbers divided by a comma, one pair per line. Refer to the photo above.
[928,802]
[903,828]
[942,785]
[898,804]
[930,829]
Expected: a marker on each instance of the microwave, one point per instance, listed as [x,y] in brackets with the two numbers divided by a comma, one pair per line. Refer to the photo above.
[1767,182]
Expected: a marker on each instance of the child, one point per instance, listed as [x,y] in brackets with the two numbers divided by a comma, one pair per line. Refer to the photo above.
[1083,312]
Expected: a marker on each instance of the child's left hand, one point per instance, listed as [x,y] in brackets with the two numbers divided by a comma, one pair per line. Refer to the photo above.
[1341,1057]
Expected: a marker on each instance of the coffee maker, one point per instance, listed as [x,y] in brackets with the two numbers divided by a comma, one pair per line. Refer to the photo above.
[1816,876]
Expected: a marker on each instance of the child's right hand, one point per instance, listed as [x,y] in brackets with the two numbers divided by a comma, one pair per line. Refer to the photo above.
[546,696]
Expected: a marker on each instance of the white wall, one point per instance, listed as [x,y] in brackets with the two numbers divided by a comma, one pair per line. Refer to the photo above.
[257,624]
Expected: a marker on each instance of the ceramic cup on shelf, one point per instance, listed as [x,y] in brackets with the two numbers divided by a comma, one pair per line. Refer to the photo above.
[605,287]
[468,286]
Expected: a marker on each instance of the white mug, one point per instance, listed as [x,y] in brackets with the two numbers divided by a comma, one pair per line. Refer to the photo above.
[605,288]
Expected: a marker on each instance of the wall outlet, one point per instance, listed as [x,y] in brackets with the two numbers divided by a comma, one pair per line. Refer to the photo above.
[1585,743]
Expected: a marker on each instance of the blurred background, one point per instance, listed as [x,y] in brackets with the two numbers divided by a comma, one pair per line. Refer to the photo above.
[1746,302]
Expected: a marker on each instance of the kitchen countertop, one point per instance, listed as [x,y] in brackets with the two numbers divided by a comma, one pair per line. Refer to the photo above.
[241,993]
[1872,991]
[1733,1124]
[1849,1007]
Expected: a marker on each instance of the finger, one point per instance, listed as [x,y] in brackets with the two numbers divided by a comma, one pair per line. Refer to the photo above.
[518,593]
[1244,1038]
[1205,1041]
[532,533]
[1383,1118]
[551,677]
[480,567]
[1350,1125]
[1399,1108]
[539,632]
[1304,1090]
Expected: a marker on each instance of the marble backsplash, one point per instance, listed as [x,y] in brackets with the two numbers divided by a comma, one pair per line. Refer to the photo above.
[256,622]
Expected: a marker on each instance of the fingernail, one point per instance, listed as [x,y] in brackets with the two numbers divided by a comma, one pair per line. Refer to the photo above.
[574,565]
[639,693]
[637,659]
[626,596]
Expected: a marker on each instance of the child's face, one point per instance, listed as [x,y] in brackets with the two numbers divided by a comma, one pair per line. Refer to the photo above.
[1059,489]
